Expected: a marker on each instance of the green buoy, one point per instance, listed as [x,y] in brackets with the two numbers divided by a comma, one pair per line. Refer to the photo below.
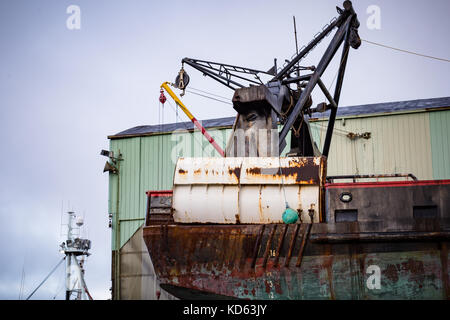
[290,216]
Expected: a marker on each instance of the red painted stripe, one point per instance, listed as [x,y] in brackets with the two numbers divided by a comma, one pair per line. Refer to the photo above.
[159,193]
[386,184]
[208,137]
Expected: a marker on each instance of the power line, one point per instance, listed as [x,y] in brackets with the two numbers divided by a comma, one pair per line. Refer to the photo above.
[405,51]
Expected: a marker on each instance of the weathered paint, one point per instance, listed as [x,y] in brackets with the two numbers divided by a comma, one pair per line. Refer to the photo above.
[148,164]
[137,276]
[247,190]
[130,199]
[410,133]
[440,143]
[199,126]
[412,155]
[318,261]
[394,205]
[397,144]
[156,170]
[221,260]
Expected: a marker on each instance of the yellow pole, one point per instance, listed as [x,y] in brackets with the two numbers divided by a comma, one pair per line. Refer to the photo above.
[177,100]
[165,86]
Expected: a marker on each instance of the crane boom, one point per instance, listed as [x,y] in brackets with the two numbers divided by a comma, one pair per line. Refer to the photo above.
[191,117]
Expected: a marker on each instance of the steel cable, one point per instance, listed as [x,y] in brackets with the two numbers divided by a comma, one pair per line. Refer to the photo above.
[53,270]
[406,51]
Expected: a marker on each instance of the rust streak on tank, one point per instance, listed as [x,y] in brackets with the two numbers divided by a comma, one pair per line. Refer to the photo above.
[236,171]
[300,176]
[253,171]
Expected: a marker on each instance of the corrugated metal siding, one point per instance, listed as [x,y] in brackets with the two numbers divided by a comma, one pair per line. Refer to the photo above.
[440,143]
[129,191]
[398,144]
[149,164]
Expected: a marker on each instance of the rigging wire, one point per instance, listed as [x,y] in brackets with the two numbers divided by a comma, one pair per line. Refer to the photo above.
[406,51]
[322,128]
[341,132]
[282,182]
[185,125]
[178,117]
[22,281]
[187,89]
[61,284]
[53,270]
[212,94]
[329,88]
[334,79]
[199,94]
[388,47]
[59,291]
[340,65]
[160,142]
[176,126]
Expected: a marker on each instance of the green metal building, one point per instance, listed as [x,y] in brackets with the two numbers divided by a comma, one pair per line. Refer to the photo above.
[397,137]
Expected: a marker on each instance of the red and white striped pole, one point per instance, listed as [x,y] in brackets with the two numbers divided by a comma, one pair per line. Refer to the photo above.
[192,118]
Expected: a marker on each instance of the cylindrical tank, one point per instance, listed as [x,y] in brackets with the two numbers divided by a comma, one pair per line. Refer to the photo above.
[247,190]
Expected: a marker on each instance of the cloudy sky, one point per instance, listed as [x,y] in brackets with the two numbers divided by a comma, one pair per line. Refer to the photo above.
[62,91]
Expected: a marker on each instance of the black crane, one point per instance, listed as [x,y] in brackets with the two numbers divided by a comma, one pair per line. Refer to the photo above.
[276,101]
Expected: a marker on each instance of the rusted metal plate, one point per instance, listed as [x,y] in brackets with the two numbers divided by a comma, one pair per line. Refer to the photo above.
[247,190]
[408,246]
[393,205]
[261,262]
[292,170]
[250,170]
[159,207]
[193,171]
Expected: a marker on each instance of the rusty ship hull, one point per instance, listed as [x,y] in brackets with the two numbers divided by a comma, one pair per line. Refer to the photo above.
[401,228]
[241,262]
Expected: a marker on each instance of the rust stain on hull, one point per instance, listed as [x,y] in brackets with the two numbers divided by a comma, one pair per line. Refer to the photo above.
[444,264]
[237,261]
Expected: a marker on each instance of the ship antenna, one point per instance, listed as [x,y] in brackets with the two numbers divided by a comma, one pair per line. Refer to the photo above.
[73,248]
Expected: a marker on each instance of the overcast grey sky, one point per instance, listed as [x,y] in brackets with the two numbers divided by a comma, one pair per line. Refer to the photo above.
[63,91]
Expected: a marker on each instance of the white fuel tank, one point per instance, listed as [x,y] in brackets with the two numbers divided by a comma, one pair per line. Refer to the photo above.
[247,190]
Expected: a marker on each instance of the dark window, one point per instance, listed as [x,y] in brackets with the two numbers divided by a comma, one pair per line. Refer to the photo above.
[348,215]
[425,212]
